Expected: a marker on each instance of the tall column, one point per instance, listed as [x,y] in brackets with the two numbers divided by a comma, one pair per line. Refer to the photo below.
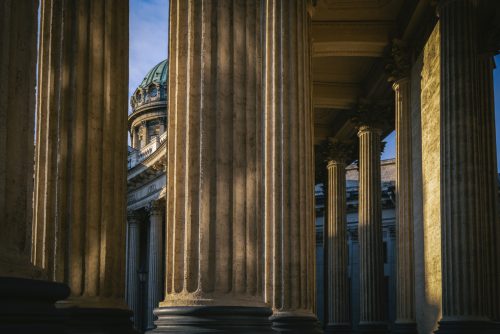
[489,183]
[338,283]
[26,300]
[81,154]
[405,273]
[464,284]
[155,261]
[133,266]
[288,167]
[372,292]
[214,233]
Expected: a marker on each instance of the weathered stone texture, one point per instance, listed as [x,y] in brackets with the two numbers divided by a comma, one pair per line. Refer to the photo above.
[429,309]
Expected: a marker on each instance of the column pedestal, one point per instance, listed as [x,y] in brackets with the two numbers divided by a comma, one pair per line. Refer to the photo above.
[28,306]
[212,319]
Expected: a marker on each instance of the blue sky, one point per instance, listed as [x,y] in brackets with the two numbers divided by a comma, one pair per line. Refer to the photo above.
[149,46]
[148,38]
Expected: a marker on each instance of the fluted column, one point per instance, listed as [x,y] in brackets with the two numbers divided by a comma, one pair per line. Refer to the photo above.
[155,252]
[372,297]
[489,183]
[214,233]
[405,273]
[81,155]
[18,31]
[464,285]
[289,170]
[338,283]
[133,266]
[26,298]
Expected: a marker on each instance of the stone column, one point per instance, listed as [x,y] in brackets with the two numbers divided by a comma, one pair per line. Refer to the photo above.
[405,273]
[81,157]
[338,320]
[489,182]
[372,292]
[214,234]
[288,168]
[155,261]
[133,266]
[464,284]
[26,299]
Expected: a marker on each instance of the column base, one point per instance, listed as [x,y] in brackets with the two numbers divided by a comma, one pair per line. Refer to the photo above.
[98,321]
[212,319]
[404,328]
[28,306]
[338,329]
[295,323]
[373,328]
[466,327]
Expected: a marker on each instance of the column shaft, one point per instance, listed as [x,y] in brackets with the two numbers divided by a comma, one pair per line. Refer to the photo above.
[79,229]
[289,181]
[372,301]
[155,253]
[338,283]
[213,224]
[133,267]
[405,277]
[489,183]
[463,267]
[18,33]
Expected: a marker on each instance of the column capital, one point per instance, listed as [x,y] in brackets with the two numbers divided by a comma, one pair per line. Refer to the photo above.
[372,117]
[399,65]
[133,216]
[336,152]
[156,208]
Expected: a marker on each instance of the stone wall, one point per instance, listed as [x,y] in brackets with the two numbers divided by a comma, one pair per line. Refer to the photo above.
[426,183]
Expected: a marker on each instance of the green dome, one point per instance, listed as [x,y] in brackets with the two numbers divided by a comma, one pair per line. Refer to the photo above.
[158,74]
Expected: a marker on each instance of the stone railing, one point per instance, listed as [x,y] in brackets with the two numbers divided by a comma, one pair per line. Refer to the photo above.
[137,156]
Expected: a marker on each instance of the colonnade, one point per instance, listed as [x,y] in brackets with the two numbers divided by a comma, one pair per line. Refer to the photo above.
[468,194]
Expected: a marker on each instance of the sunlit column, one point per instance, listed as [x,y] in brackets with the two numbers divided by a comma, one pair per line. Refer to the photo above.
[289,170]
[463,125]
[372,296]
[214,231]
[18,31]
[81,154]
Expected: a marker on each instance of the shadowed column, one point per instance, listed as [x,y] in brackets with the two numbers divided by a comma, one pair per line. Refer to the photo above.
[155,284]
[133,266]
[464,252]
[405,273]
[338,282]
[372,296]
